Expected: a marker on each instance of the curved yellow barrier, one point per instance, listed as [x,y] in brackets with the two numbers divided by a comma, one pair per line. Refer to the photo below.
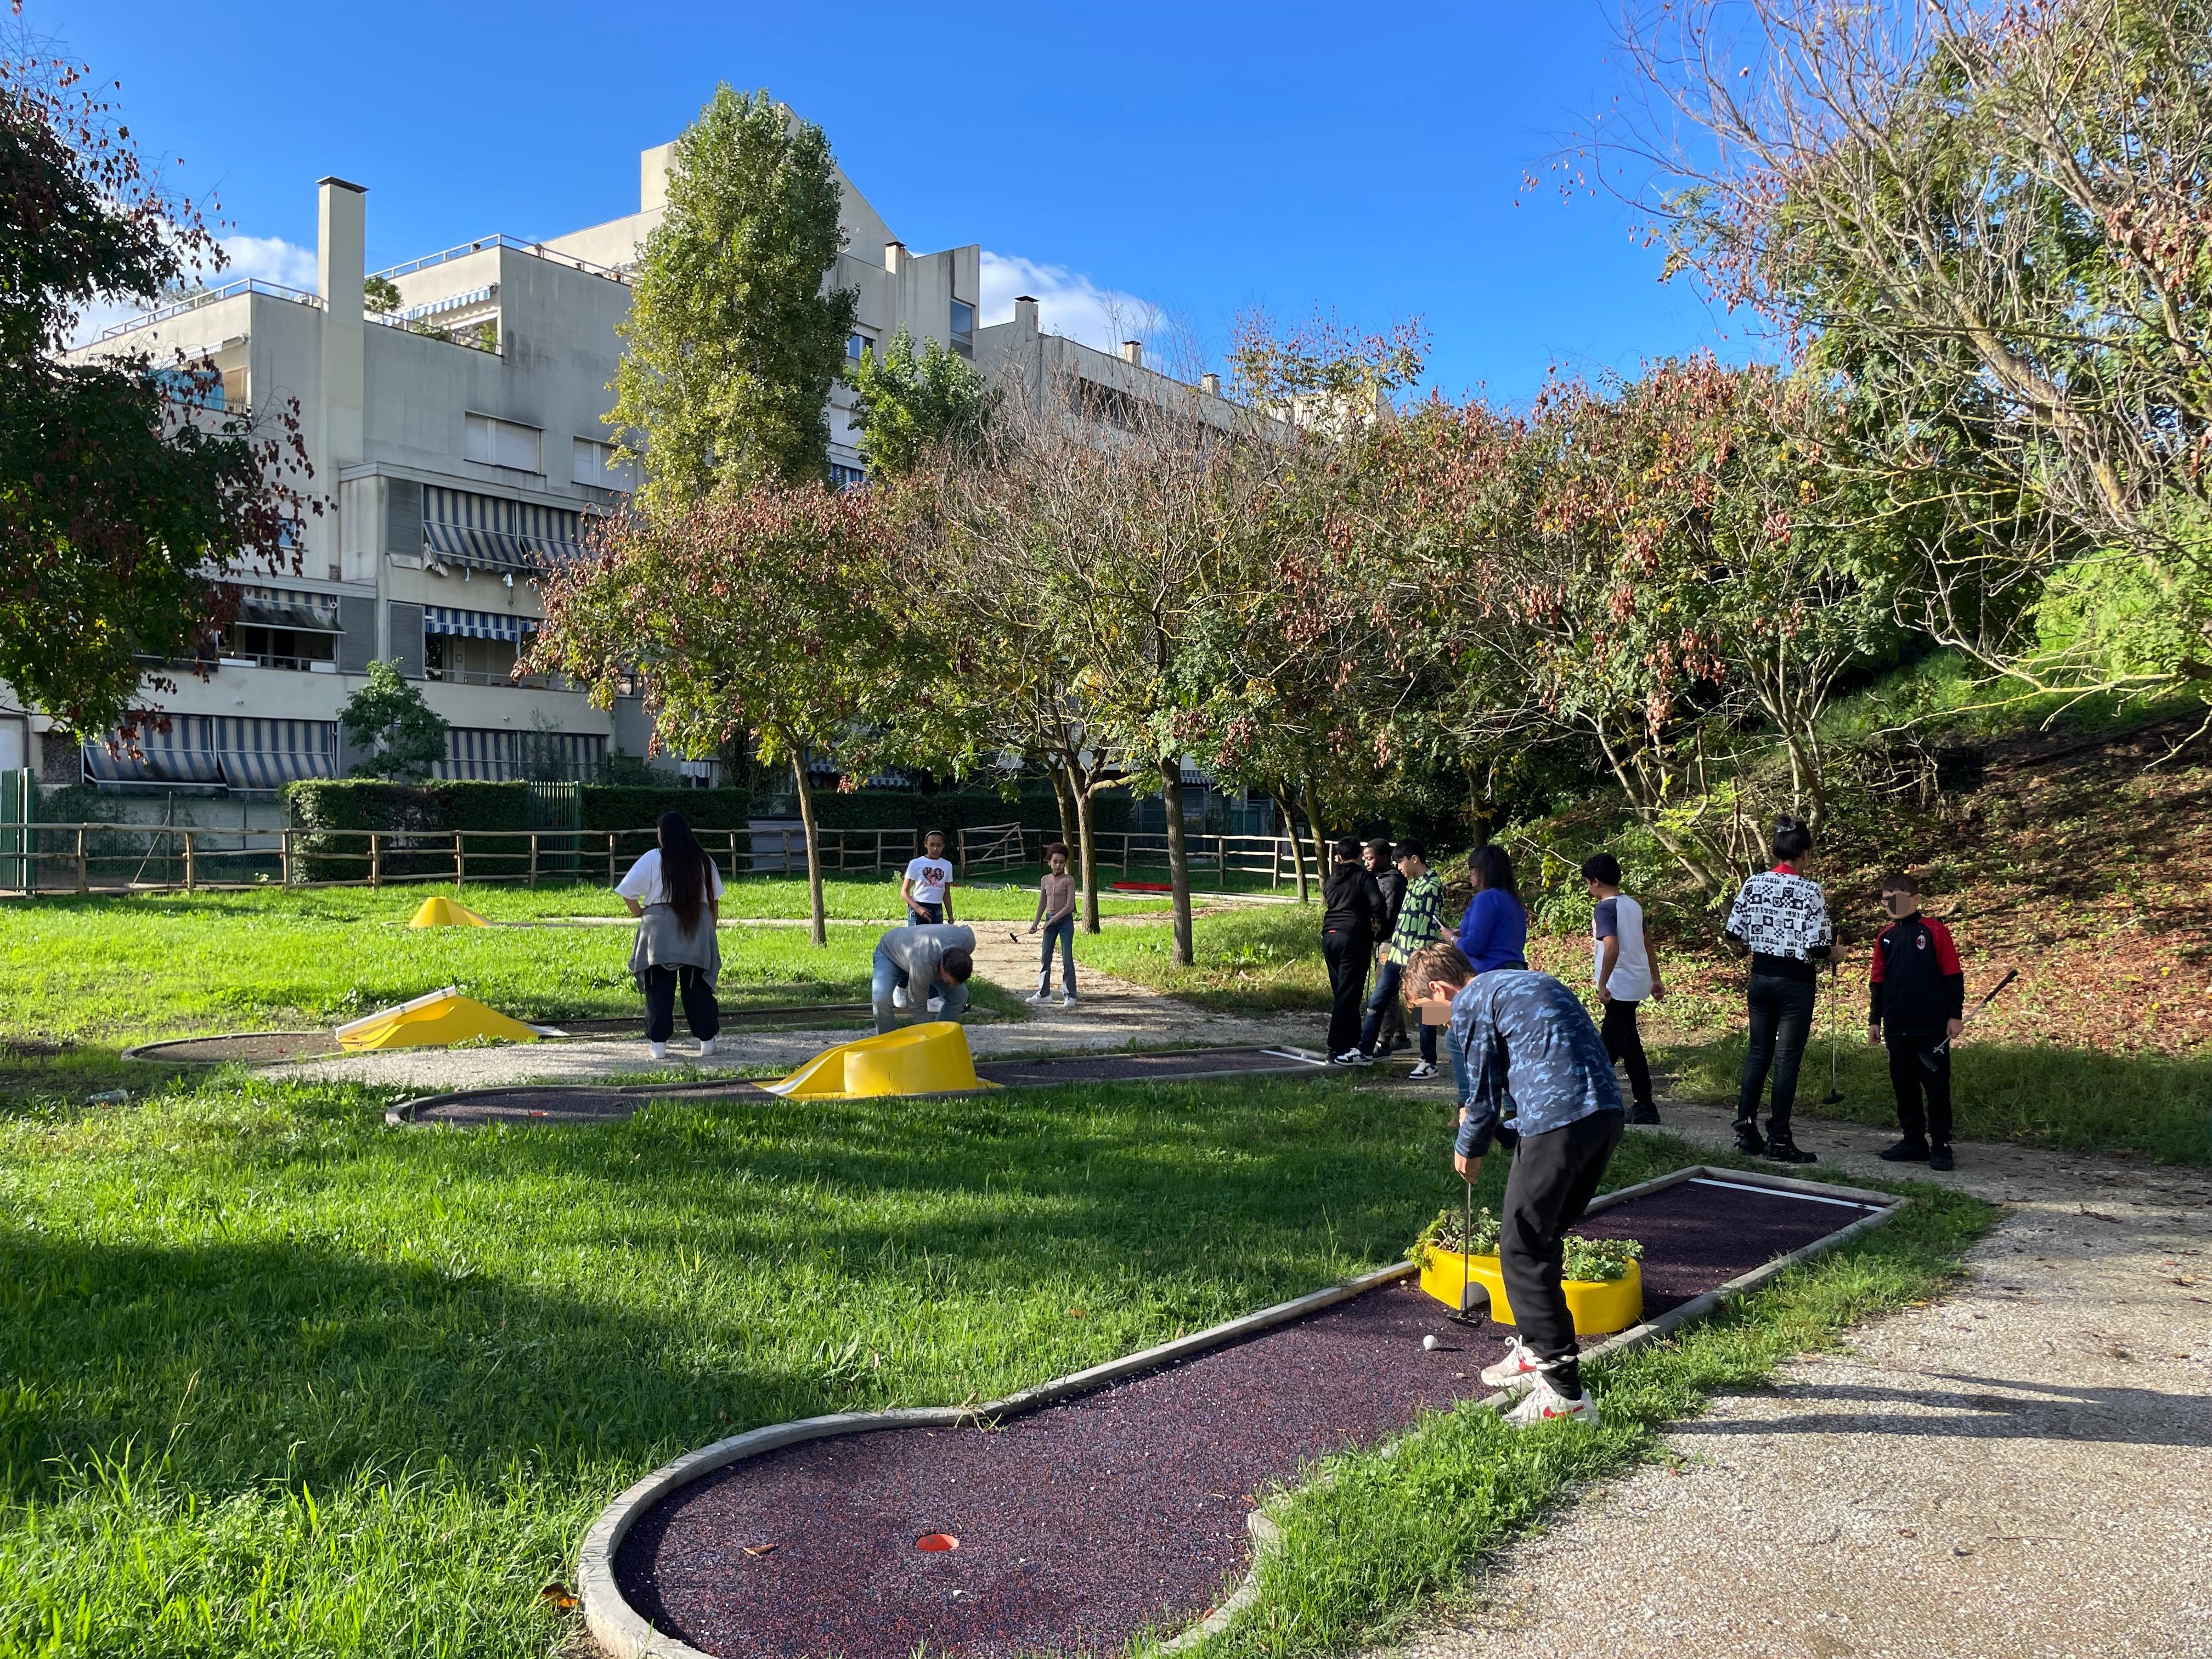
[1601,1307]
[445,913]
[931,1058]
[436,1021]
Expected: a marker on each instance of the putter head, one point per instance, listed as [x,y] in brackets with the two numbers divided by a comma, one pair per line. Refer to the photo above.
[1475,1309]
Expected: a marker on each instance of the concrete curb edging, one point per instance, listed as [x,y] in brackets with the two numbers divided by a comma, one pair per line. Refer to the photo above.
[625,1634]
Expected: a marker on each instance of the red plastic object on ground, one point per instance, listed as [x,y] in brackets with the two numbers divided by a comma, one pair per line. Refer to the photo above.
[1139,887]
[935,1542]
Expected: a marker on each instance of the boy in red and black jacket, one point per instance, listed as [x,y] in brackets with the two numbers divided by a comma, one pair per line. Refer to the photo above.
[1916,1000]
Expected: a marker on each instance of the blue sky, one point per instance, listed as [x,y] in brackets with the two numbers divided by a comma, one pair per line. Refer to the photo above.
[1204,159]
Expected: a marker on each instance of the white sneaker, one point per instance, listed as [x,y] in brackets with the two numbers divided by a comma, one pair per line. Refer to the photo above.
[898,996]
[1422,1071]
[1351,1057]
[935,1005]
[1518,1368]
[659,1050]
[1039,995]
[707,1046]
[1545,1404]
[1068,1002]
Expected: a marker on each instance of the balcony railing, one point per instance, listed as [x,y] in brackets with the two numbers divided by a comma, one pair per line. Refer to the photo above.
[208,297]
[500,238]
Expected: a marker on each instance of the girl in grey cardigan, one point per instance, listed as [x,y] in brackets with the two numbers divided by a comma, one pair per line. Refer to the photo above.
[676,892]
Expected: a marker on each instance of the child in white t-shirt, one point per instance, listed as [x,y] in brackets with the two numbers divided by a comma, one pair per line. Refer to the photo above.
[1625,975]
[925,889]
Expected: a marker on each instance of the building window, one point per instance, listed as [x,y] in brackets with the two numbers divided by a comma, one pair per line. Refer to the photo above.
[856,344]
[846,478]
[963,326]
[505,443]
[594,463]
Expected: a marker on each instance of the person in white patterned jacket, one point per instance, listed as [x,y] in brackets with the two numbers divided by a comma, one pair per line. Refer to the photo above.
[1780,920]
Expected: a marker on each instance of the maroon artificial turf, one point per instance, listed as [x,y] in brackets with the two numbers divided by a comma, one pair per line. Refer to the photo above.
[1082,1523]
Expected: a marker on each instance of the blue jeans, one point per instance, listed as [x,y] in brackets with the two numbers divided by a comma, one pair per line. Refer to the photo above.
[889,974]
[1063,930]
[1388,978]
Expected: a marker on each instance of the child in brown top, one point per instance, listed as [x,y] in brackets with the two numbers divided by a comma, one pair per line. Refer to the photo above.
[1055,913]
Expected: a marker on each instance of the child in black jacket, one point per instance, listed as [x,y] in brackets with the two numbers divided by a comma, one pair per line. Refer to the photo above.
[1916,1000]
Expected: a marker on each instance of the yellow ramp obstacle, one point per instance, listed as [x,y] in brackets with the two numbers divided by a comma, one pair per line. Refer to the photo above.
[922,1060]
[1600,1307]
[433,1022]
[445,913]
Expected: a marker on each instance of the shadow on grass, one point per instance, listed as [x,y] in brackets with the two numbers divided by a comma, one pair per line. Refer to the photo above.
[2080,1100]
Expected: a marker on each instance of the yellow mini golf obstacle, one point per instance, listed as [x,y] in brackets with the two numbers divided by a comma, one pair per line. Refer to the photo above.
[445,913]
[922,1060]
[434,1021]
[1600,1306]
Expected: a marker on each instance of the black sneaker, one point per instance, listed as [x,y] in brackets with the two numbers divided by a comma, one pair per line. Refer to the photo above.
[1747,1141]
[1939,1157]
[1783,1149]
[1643,1115]
[1907,1150]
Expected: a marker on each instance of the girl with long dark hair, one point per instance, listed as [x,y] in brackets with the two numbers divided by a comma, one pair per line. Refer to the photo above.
[1494,932]
[676,892]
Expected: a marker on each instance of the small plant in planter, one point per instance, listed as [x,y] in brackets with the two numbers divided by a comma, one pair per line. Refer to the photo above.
[1602,1277]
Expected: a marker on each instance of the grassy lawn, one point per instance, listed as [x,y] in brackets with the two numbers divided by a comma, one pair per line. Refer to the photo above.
[1250,960]
[284,1381]
[81,979]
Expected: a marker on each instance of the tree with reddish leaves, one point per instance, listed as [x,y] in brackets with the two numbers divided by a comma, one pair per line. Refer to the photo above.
[123,496]
[759,616]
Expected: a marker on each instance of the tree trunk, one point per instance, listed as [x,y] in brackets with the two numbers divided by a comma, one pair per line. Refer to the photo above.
[1297,846]
[1178,858]
[1086,810]
[1313,828]
[813,845]
[1063,793]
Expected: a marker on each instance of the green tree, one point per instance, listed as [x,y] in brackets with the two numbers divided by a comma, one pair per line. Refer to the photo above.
[733,336]
[123,494]
[380,295]
[404,735]
[909,404]
[757,616]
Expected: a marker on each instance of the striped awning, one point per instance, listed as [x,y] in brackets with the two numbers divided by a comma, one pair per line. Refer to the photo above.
[478,624]
[496,755]
[244,753]
[184,754]
[278,607]
[267,754]
[489,532]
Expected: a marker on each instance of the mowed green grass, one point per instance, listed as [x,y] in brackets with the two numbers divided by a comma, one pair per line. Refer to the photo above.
[114,970]
[1251,959]
[282,1381]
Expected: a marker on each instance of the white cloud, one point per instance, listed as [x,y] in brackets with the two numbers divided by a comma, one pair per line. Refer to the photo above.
[1068,302]
[271,258]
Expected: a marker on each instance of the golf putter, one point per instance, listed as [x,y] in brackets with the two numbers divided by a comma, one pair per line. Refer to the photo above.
[1471,1320]
[1835,1095]
[1944,1047]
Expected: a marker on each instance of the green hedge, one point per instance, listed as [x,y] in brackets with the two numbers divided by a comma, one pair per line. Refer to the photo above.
[953,809]
[330,807]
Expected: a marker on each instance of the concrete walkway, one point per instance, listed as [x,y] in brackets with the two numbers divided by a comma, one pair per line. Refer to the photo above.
[2022,1468]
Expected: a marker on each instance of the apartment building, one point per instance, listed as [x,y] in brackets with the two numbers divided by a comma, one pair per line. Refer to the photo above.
[458,448]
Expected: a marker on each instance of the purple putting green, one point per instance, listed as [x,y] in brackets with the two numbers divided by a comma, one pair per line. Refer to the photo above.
[1084,1522]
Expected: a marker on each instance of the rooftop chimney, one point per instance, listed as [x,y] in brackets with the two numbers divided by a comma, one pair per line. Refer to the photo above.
[895,257]
[1132,351]
[1025,312]
[1210,384]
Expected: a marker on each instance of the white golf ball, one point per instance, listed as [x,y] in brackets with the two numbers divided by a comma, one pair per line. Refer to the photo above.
[1428,1344]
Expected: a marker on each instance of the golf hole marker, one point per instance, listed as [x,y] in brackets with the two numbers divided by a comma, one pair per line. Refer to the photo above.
[936,1543]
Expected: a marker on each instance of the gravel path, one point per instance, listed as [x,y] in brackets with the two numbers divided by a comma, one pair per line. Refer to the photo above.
[2022,1469]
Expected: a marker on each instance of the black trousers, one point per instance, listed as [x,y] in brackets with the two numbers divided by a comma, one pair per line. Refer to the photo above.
[700,1011]
[1781,1021]
[1347,956]
[1913,1082]
[1553,1178]
[1624,1046]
